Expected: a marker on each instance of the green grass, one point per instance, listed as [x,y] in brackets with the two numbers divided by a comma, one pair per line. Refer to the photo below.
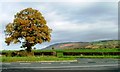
[117,57]
[32,59]
[49,58]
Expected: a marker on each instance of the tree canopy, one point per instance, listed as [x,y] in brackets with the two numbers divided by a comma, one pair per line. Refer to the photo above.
[28,25]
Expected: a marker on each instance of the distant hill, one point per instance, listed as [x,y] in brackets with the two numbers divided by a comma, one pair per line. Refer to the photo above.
[90,45]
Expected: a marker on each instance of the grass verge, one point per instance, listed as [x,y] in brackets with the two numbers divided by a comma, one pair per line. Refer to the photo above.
[117,57]
[33,59]
[49,58]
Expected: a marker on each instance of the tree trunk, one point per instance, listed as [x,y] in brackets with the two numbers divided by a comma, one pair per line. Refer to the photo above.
[29,49]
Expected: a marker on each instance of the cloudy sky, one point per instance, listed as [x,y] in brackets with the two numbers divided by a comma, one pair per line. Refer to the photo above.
[70,21]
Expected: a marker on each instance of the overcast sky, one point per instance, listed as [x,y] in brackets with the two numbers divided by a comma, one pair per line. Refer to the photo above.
[70,21]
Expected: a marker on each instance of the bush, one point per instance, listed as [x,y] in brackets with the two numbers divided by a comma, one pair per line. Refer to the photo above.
[59,54]
[20,53]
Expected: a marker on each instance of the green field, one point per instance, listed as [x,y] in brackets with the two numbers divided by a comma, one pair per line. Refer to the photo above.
[82,50]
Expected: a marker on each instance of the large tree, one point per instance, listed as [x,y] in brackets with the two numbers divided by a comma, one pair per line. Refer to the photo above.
[29,28]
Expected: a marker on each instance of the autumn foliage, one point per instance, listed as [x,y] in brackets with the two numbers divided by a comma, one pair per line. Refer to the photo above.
[29,28]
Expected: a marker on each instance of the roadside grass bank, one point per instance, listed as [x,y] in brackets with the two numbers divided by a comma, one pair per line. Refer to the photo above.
[33,59]
[49,58]
[116,57]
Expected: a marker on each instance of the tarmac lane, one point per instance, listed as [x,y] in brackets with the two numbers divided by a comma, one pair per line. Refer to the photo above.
[110,65]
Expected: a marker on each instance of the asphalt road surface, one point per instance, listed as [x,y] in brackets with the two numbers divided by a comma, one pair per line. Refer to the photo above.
[107,65]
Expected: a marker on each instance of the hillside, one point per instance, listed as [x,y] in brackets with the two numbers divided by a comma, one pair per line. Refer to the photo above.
[90,45]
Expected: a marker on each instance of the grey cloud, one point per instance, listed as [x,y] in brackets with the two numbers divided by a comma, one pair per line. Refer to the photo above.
[90,14]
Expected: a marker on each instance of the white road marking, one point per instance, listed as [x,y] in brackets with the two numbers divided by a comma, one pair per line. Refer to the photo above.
[65,63]
[25,63]
[46,63]
[70,66]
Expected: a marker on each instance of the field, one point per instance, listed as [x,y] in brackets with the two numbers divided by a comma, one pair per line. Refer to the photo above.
[83,50]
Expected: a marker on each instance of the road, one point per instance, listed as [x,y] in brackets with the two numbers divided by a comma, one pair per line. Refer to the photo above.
[81,64]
